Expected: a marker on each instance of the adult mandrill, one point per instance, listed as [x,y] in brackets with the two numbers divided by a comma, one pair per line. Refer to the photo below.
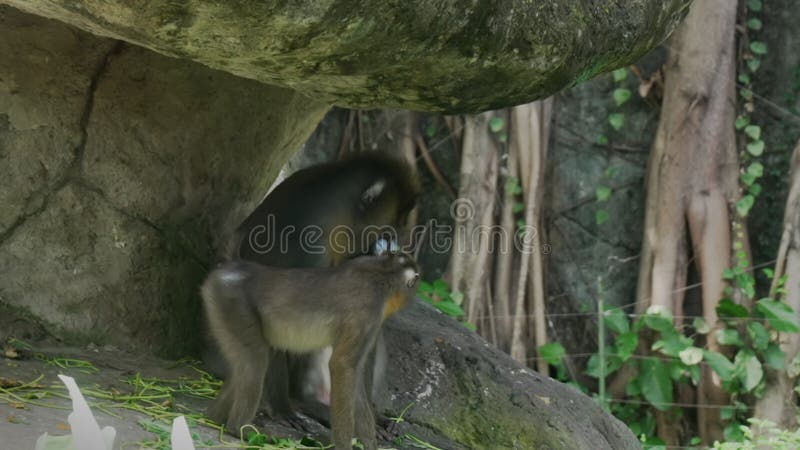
[320,217]
[254,310]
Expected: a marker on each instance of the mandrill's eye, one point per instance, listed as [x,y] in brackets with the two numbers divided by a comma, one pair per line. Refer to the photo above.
[381,247]
[385,245]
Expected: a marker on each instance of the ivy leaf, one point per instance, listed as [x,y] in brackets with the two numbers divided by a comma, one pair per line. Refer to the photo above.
[734,432]
[754,5]
[755,169]
[780,316]
[744,79]
[749,370]
[754,131]
[552,352]
[758,47]
[612,364]
[656,384]
[747,179]
[611,172]
[602,140]
[719,364]
[496,124]
[774,356]
[620,74]
[755,148]
[616,320]
[700,325]
[601,216]
[759,335]
[617,120]
[728,274]
[726,308]
[741,122]
[744,204]
[728,336]
[512,186]
[658,320]
[626,344]
[603,193]
[672,343]
[753,64]
[518,207]
[754,23]
[457,297]
[621,95]
[755,189]
[691,356]
[726,413]
[430,131]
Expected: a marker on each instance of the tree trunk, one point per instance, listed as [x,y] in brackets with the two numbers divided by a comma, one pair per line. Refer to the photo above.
[474,215]
[531,134]
[779,403]
[692,179]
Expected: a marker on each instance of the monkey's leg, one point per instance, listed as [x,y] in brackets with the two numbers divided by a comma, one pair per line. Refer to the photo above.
[375,388]
[343,365]
[238,331]
[364,414]
[247,390]
[276,386]
[220,406]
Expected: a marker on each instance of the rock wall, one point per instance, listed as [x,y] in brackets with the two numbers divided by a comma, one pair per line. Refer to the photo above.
[119,168]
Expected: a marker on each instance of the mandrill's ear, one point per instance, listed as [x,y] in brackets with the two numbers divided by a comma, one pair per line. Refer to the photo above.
[372,192]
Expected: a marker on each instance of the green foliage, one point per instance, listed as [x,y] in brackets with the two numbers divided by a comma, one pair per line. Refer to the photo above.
[620,74]
[439,294]
[780,316]
[512,186]
[760,435]
[754,24]
[753,143]
[616,120]
[603,193]
[601,216]
[496,124]
[655,383]
[759,48]
[748,336]
[621,95]
[676,358]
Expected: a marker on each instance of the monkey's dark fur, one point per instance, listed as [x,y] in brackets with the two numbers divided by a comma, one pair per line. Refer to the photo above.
[255,309]
[369,189]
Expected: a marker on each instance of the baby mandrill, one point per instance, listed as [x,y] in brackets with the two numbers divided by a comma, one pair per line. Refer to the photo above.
[253,309]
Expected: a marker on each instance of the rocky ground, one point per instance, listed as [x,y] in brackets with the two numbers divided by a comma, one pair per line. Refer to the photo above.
[138,396]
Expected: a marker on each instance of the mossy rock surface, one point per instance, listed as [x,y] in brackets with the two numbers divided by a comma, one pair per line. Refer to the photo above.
[433,55]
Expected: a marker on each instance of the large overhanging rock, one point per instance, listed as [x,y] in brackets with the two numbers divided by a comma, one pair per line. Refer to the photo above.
[119,167]
[451,55]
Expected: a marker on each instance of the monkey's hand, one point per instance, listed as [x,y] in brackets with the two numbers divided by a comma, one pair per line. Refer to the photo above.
[387,429]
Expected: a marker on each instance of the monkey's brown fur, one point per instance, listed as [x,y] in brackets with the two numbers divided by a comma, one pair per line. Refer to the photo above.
[255,309]
[367,189]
